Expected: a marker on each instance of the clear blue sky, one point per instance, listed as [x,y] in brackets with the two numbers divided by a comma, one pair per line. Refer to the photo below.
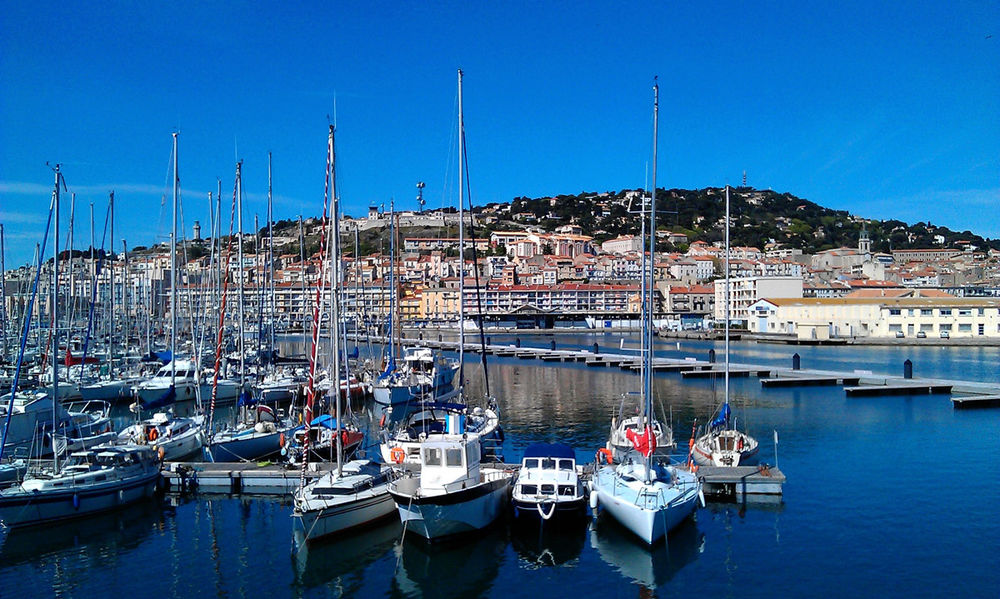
[889,110]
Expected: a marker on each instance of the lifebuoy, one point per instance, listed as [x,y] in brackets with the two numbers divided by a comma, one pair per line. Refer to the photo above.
[153,434]
[606,453]
[281,440]
[397,455]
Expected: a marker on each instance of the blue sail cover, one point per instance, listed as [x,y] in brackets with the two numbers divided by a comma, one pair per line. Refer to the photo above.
[549,450]
[167,398]
[326,421]
[722,419]
[246,399]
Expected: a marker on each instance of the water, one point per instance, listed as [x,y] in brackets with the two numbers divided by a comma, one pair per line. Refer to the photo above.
[887,496]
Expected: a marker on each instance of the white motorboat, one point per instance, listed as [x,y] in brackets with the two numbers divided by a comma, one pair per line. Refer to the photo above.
[174,438]
[356,495]
[402,446]
[548,486]
[89,482]
[179,381]
[452,493]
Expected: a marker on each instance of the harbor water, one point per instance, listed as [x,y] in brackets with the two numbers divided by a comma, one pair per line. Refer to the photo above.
[886,496]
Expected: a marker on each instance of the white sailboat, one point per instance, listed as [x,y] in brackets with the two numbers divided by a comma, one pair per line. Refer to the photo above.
[649,496]
[723,444]
[356,493]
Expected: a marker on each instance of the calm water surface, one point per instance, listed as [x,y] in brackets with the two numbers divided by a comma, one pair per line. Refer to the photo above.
[893,496]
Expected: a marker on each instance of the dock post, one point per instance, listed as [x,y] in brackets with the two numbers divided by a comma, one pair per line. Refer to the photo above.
[596,350]
[907,369]
[489,341]
[420,336]
[711,356]
[439,337]
[517,342]
[796,362]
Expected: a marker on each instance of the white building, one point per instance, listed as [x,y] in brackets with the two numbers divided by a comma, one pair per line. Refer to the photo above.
[746,291]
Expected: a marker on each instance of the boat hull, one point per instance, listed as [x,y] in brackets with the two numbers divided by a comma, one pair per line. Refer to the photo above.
[40,508]
[550,514]
[248,446]
[314,524]
[456,513]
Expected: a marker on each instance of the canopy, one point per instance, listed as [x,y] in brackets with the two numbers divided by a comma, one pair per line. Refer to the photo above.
[549,450]
[325,420]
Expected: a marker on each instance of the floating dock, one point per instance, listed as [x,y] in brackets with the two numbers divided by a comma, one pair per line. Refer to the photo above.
[915,388]
[976,401]
[741,482]
[237,477]
[810,381]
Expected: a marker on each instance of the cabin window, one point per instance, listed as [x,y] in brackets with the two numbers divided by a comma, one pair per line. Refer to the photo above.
[566,490]
[529,489]
[432,456]
[531,463]
[565,464]
[548,489]
[548,464]
[453,457]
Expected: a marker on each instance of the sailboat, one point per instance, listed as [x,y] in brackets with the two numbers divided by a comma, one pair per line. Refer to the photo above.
[453,492]
[356,493]
[647,495]
[88,481]
[723,444]
[171,436]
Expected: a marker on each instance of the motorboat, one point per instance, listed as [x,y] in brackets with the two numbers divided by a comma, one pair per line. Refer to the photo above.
[402,444]
[171,436]
[548,486]
[453,492]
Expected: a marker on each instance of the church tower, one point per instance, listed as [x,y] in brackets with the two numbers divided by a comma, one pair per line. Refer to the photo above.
[864,243]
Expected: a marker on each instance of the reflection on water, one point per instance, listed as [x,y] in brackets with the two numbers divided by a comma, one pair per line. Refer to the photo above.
[461,567]
[341,562]
[649,567]
[540,546]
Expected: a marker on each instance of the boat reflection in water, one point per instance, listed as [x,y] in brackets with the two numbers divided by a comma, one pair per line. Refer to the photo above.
[95,541]
[343,559]
[649,566]
[459,567]
[547,546]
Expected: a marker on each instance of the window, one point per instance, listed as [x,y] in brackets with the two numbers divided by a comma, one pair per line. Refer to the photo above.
[982,311]
[926,312]
[894,311]
[529,489]
[945,311]
[945,327]
[965,312]
[453,457]
[566,490]
[548,489]
[549,464]
[965,327]
[531,463]
[982,329]
[432,456]
[565,464]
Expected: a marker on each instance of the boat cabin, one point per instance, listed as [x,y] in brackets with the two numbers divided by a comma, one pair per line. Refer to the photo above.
[450,463]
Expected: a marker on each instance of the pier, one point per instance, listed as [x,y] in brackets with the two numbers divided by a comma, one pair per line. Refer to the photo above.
[741,482]
[858,383]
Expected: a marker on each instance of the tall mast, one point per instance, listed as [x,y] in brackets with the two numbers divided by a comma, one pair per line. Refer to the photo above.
[111,275]
[648,324]
[55,318]
[335,289]
[726,387]
[72,270]
[242,268]
[3,295]
[125,282]
[270,252]
[173,276]
[302,272]
[461,238]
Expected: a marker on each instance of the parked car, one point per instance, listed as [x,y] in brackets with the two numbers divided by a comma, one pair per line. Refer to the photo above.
[921,335]
[899,335]
[945,335]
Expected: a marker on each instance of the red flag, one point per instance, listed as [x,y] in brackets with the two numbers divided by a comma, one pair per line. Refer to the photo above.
[644,443]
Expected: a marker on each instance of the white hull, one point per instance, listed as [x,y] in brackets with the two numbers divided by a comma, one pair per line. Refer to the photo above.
[649,511]
[723,449]
[442,516]
[60,506]
[363,509]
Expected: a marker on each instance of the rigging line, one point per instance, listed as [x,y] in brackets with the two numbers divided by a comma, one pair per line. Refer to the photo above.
[222,314]
[93,289]
[475,264]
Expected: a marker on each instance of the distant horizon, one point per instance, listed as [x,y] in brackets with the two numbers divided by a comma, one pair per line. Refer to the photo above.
[889,112]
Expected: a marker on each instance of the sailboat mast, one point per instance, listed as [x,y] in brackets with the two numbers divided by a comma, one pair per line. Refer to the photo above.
[173,277]
[55,319]
[242,266]
[302,274]
[461,238]
[270,252]
[3,295]
[726,387]
[651,285]
[335,289]
[111,275]
[125,280]
[72,270]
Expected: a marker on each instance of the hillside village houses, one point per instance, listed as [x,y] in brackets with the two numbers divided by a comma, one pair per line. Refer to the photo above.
[564,275]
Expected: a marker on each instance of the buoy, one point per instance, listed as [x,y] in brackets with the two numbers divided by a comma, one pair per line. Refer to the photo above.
[606,453]
[397,455]
[281,440]
[381,422]
[160,453]
[76,501]
[594,500]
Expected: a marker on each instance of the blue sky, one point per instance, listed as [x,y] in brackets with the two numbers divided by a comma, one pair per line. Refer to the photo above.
[889,110]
